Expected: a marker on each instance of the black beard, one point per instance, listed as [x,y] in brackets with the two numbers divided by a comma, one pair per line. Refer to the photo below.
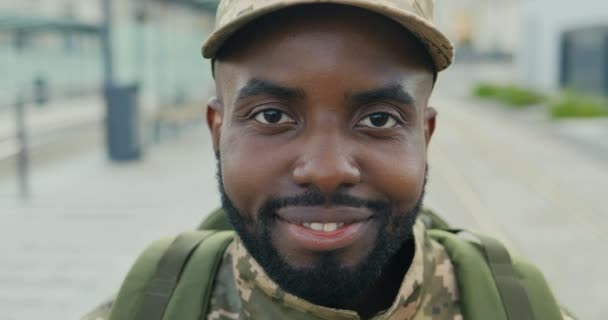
[327,283]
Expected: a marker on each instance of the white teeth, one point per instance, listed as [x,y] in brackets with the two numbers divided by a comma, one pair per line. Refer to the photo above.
[325,227]
[316,226]
[329,227]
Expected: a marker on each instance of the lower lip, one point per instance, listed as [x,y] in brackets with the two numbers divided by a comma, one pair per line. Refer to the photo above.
[324,241]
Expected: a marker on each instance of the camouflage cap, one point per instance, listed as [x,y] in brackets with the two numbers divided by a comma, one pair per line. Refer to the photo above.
[414,15]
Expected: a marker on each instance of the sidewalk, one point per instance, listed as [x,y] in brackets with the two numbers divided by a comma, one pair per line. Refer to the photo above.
[71,245]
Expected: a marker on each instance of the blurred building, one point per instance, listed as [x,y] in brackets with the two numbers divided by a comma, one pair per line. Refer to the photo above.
[481,28]
[565,44]
[156,43]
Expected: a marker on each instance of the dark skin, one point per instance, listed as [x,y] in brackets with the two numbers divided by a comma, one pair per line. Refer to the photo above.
[341,105]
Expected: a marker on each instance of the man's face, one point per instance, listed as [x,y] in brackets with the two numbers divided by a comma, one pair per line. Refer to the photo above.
[322,125]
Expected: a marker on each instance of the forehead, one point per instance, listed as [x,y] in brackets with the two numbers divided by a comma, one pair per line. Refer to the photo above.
[323,41]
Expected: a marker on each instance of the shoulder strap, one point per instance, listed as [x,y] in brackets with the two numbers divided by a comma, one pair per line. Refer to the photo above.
[191,297]
[168,271]
[217,220]
[512,292]
[479,296]
[492,284]
[432,220]
[173,281]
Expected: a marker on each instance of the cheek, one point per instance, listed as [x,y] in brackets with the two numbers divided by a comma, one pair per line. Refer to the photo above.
[398,172]
[252,170]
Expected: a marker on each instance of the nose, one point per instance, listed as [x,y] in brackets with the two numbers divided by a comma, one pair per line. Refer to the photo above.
[327,164]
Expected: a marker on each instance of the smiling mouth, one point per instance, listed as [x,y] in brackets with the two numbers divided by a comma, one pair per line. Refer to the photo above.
[326,227]
[323,229]
[322,226]
[318,218]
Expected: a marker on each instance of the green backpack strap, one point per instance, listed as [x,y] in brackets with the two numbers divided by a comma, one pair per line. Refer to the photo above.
[173,279]
[492,284]
[217,220]
[512,291]
[432,220]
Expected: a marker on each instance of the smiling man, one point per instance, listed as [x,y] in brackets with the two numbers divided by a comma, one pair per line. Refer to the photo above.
[321,130]
[321,126]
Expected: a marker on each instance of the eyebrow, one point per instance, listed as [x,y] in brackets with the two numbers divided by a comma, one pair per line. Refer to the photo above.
[257,87]
[394,92]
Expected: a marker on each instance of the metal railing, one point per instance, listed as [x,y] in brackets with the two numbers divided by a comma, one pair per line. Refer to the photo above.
[19,134]
[17,145]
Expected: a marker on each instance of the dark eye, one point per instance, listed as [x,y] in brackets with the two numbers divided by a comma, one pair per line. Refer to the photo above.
[379,120]
[272,116]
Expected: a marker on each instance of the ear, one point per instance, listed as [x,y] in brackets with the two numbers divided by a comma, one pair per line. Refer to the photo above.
[430,117]
[215,116]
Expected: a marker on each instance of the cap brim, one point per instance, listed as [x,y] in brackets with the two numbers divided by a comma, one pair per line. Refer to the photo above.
[439,47]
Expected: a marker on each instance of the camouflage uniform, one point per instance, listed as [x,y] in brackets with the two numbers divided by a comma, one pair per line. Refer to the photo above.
[244,291]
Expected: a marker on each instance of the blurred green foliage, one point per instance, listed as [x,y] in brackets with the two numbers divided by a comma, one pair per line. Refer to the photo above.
[567,105]
[485,90]
[572,105]
[510,95]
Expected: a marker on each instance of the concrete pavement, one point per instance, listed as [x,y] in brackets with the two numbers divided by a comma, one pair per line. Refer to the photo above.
[71,245]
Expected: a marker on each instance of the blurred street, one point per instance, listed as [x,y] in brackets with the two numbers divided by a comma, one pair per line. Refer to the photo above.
[526,180]
[508,174]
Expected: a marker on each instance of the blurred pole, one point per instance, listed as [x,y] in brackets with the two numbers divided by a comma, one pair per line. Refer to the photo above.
[140,41]
[122,115]
[160,61]
[162,56]
[22,156]
[106,43]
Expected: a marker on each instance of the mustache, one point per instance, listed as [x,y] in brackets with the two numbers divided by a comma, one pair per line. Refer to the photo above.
[315,198]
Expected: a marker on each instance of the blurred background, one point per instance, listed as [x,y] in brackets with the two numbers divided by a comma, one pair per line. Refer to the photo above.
[103,146]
